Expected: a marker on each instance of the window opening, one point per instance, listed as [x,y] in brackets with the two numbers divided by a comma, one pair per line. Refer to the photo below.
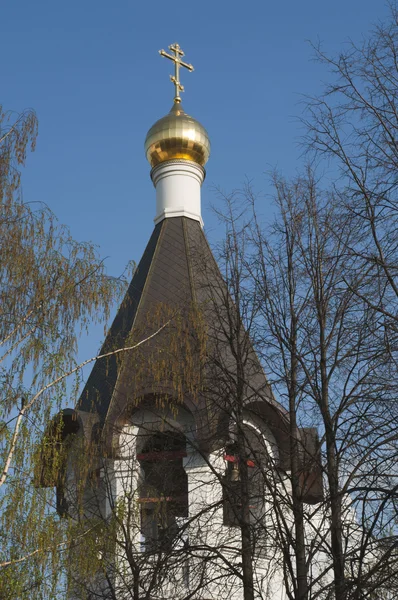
[256,457]
[164,489]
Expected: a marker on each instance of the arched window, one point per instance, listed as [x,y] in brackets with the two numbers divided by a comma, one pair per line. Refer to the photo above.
[256,453]
[163,493]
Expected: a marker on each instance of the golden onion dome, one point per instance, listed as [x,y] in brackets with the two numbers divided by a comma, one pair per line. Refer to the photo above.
[177,136]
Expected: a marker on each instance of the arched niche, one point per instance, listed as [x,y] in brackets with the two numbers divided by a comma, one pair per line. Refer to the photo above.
[251,446]
[163,439]
[163,490]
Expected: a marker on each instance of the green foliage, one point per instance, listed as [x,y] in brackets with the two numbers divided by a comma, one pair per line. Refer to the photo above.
[51,288]
[172,361]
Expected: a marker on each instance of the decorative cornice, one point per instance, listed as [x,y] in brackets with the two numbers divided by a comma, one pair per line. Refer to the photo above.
[178,212]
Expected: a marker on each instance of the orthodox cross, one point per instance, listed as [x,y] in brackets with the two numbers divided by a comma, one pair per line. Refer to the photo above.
[178,54]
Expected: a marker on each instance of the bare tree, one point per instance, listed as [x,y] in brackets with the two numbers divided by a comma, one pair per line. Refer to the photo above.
[354,124]
[339,374]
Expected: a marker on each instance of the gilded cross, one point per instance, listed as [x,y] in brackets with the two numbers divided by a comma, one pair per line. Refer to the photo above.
[176,58]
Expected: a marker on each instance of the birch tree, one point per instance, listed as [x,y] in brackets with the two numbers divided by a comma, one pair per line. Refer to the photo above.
[51,288]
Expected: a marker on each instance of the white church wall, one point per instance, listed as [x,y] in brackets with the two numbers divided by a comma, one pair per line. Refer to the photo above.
[178,184]
[214,548]
[218,545]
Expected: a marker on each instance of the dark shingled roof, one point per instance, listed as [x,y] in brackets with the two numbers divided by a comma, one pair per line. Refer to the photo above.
[98,390]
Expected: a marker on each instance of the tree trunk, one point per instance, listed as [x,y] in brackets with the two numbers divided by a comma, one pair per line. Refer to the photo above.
[332,468]
[301,592]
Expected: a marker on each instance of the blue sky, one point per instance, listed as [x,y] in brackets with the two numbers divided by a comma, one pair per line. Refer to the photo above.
[92,72]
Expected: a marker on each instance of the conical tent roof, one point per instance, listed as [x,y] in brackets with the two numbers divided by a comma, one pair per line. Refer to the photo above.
[177,270]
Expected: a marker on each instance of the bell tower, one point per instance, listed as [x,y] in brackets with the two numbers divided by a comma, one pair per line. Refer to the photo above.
[167,448]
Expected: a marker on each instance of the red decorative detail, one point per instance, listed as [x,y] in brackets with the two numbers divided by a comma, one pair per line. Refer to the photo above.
[230,458]
[235,459]
[165,455]
[163,499]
